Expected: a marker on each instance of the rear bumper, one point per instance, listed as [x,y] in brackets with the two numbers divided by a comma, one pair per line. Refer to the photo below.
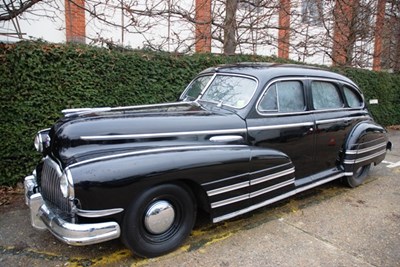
[43,217]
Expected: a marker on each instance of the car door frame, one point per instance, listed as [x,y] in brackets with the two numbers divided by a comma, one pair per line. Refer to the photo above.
[267,131]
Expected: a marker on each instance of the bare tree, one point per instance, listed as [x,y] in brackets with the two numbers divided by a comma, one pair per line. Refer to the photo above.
[11,9]
[230,27]
[391,37]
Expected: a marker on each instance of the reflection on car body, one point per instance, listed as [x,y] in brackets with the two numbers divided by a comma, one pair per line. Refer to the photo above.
[240,137]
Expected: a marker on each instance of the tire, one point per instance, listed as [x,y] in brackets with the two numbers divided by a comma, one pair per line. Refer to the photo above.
[358,177]
[159,220]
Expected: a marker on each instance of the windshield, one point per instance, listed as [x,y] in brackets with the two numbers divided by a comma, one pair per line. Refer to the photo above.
[229,90]
[196,87]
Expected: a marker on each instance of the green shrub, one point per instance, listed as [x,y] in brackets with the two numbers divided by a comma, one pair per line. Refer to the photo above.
[38,80]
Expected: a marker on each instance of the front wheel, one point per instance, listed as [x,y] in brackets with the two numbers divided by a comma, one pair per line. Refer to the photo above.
[159,220]
[359,176]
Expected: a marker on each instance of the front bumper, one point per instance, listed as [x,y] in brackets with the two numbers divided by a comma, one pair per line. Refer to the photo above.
[43,217]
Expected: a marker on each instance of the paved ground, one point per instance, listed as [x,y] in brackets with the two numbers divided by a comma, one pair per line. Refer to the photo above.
[327,226]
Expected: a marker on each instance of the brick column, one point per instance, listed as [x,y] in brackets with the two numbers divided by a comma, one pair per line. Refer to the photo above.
[75,21]
[284,29]
[342,40]
[203,26]
[380,21]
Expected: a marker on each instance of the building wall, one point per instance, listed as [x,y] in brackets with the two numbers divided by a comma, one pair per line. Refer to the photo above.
[310,38]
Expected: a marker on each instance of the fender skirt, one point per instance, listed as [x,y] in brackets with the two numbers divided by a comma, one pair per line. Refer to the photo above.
[366,144]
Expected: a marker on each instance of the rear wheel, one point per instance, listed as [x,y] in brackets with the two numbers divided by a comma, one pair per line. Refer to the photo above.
[359,176]
[159,220]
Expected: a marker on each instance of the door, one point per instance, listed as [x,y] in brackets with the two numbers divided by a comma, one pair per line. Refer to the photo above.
[335,113]
[283,123]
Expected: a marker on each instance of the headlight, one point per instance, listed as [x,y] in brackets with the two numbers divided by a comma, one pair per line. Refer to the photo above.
[66,184]
[42,140]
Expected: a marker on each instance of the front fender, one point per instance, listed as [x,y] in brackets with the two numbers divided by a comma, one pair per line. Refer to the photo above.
[113,181]
[367,143]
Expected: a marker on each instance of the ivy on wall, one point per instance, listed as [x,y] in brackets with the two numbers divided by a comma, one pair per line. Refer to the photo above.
[38,80]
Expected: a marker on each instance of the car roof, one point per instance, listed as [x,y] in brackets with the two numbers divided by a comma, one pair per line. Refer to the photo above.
[269,71]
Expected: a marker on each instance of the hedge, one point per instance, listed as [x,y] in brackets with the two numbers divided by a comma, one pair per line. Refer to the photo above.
[38,80]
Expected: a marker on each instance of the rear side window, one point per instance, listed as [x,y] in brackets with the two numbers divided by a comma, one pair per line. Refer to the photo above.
[325,95]
[354,99]
[285,96]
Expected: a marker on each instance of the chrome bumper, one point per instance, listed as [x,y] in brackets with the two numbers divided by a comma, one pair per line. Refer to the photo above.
[42,217]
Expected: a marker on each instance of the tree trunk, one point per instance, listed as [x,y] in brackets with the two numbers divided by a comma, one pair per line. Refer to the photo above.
[396,67]
[230,27]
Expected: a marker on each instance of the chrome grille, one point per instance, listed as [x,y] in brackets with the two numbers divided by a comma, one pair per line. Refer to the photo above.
[50,185]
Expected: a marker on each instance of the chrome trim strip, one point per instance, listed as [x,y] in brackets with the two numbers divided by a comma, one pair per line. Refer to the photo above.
[272,176]
[274,167]
[80,111]
[98,213]
[225,179]
[271,188]
[275,199]
[229,201]
[331,121]
[364,150]
[251,195]
[339,119]
[227,188]
[244,174]
[149,106]
[154,150]
[226,138]
[158,135]
[356,161]
[282,126]
[240,185]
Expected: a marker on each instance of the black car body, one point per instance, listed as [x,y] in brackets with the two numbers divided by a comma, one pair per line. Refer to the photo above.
[240,137]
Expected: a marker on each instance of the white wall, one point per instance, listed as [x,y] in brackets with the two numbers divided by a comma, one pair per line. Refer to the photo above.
[43,21]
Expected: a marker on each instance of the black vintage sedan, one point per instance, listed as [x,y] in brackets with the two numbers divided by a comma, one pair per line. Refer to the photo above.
[239,138]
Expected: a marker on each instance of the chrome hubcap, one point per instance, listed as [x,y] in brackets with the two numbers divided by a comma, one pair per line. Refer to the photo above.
[159,217]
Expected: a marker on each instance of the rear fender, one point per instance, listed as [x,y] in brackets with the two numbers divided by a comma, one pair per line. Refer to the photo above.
[366,144]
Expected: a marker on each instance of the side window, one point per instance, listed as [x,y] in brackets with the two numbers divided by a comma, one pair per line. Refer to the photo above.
[285,96]
[325,95]
[354,99]
[269,102]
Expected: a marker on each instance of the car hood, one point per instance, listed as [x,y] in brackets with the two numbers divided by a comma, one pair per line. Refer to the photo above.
[100,132]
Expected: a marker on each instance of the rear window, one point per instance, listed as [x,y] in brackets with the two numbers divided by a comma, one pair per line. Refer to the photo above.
[353,98]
